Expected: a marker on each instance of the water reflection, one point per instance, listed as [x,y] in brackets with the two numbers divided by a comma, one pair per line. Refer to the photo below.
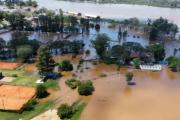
[112,33]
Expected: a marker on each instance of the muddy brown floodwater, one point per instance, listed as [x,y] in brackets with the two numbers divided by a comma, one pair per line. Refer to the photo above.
[155,97]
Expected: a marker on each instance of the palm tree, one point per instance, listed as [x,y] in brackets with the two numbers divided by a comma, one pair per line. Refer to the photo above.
[87,53]
[175,51]
[62,21]
[2,46]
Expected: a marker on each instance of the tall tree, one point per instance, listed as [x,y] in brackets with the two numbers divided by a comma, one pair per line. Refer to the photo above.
[24,52]
[45,63]
[62,21]
[120,53]
[18,39]
[158,51]
[2,46]
[101,45]
[162,27]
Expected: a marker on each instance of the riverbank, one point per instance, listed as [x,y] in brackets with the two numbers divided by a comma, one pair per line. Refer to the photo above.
[157,3]
[113,11]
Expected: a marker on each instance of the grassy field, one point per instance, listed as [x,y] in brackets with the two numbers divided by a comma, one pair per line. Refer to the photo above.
[27,115]
[77,114]
[52,84]
[22,77]
[27,79]
[159,3]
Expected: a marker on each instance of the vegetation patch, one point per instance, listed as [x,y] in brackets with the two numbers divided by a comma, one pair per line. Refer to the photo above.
[51,84]
[65,65]
[174,63]
[129,78]
[73,112]
[73,83]
[41,91]
[21,77]
[27,114]
[86,88]
[103,75]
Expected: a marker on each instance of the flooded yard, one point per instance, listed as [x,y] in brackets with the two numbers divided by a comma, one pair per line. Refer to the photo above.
[87,38]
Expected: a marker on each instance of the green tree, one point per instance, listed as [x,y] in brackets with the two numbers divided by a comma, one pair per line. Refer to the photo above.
[65,111]
[24,52]
[158,51]
[16,20]
[120,53]
[129,77]
[161,27]
[174,63]
[41,91]
[35,45]
[18,39]
[2,46]
[62,21]
[101,44]
[87,53]
[86,88]
[136,62]
[65,65]
[45,62]
[30,105]
[1,75]
[175,51]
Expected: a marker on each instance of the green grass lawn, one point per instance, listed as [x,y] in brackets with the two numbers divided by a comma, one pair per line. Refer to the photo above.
[52,84]
[22,77]
[79,110]
[27,79]
[27,115]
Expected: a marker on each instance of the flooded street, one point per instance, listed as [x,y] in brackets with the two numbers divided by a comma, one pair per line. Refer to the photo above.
[155,97]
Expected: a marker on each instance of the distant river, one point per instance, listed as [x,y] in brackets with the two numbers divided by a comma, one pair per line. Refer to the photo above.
[114,11]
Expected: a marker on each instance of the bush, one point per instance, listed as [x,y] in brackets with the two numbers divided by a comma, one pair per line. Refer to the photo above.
[103,75]
[174,63]
[65,111]
[65,65]
[24,52]
[129,76]
[86,88]
[41,91]
[72,83]
[31,104]
[14,75]
[1,75]
[136,62]
[97,26]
